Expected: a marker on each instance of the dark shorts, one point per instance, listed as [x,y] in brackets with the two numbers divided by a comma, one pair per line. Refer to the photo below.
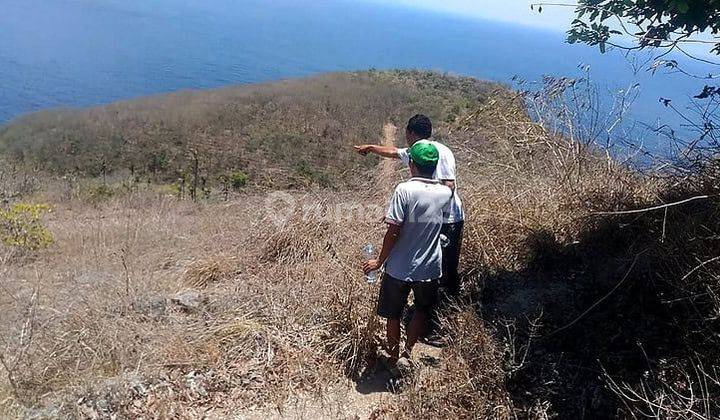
[394,294]
[450,281]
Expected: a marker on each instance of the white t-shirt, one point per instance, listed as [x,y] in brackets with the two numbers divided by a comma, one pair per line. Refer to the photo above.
[417,205]
[445,171]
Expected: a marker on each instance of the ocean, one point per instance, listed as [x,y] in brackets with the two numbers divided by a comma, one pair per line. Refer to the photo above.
[77,53]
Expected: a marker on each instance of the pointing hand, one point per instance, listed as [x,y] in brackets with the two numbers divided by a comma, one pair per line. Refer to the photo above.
[363,149]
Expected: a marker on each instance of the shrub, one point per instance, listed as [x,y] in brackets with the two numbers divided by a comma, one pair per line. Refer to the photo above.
[16,183]
[309,174]
[99,193]
[21,226]
[237,179]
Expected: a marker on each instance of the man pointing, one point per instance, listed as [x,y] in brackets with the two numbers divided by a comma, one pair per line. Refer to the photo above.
[418,128]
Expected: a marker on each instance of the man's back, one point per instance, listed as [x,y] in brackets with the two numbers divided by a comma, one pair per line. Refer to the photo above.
[445,171]
[417,205]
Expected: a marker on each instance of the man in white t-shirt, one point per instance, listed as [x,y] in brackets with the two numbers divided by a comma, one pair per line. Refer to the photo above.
[411,251]
[419,127]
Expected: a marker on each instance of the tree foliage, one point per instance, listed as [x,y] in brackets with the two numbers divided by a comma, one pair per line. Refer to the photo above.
[666,26]
[649,23]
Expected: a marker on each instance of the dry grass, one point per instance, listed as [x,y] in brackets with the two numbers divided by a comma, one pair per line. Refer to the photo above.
[269,323]
[151,306]
[281,310]
[469,381]
[613,289]
[206,271]
[520,182]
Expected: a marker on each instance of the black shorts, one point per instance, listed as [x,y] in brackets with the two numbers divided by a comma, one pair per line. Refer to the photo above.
[450,281]
[394,294]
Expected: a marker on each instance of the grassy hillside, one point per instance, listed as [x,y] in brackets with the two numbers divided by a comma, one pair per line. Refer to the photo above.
[581,297]
[287,134]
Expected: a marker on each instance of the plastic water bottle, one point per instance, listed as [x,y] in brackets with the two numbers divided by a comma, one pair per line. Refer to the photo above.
[369,253]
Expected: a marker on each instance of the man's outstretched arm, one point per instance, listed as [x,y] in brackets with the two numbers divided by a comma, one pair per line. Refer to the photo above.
[391,236]
[384,151]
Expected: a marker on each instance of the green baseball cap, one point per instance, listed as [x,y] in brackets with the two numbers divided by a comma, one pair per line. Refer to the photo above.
[424,153]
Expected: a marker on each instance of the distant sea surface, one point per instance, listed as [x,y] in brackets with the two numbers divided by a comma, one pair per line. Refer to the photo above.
[76,53]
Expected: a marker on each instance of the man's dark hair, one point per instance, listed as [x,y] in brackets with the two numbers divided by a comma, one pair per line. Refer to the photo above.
[426,171]
[421,126]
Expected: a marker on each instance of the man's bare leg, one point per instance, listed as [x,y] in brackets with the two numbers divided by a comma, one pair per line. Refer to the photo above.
[393,338]
[415,330]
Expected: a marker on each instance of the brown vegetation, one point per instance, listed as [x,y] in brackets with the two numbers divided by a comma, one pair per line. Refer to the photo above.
[287,134]
[151,305]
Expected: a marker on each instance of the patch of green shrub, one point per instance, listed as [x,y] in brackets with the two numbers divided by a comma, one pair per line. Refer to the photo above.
[312,175]
[21,226]
[237,179]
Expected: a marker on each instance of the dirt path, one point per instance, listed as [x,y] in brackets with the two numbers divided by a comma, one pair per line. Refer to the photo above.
[369,392]
[387,168]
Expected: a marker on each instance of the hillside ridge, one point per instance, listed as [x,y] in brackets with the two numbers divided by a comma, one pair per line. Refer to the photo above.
[201,259]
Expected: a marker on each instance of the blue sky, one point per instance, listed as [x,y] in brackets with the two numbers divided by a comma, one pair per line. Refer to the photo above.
[512,11]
